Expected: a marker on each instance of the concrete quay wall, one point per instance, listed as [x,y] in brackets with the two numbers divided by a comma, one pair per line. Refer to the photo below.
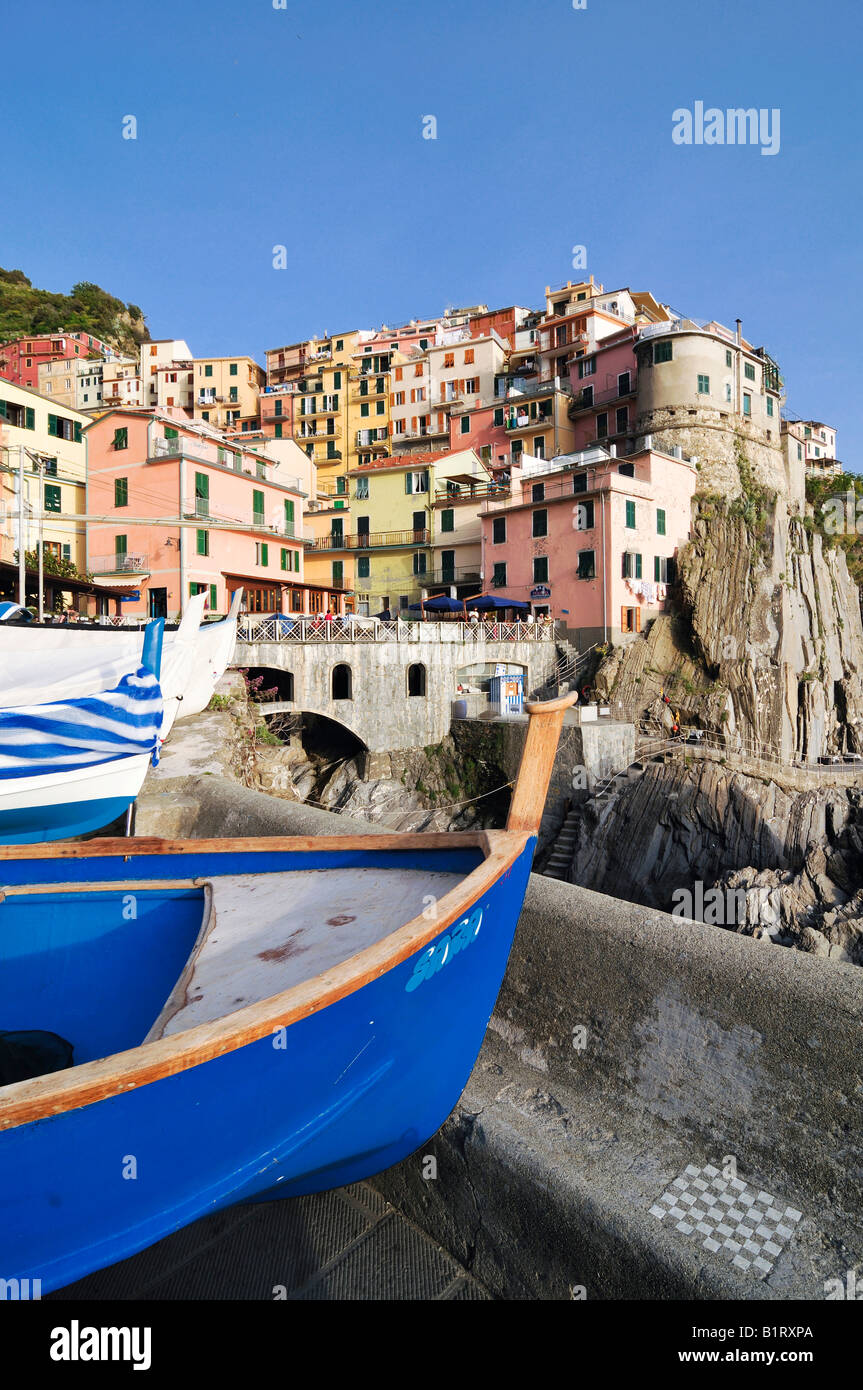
[626,1047]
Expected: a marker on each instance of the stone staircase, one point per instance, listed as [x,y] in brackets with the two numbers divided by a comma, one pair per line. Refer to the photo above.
[569,667]
[558,863]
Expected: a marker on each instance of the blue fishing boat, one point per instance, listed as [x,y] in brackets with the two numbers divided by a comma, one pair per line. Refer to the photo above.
[245,1018]
[68,767]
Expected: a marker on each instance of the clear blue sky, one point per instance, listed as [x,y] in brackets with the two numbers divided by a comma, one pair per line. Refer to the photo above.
[303,127]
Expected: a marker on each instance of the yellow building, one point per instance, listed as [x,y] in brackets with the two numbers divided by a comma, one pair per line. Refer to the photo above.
[42,445]
[340,390]
[330,560]
[226,389]
[392,526]
[320,404]
[369,427]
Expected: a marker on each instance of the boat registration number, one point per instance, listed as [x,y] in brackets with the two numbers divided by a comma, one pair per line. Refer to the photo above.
[439,955]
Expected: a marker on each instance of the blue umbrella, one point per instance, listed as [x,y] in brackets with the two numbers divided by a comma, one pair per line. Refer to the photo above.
[441,603]
[496,601]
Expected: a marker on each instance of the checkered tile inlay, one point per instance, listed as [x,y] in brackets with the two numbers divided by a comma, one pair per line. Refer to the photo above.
[743,1224]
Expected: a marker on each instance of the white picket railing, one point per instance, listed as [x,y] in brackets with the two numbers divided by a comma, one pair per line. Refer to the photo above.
[282,627]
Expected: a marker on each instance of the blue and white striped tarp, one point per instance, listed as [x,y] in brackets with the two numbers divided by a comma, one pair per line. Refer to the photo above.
[70,734]
[12,610]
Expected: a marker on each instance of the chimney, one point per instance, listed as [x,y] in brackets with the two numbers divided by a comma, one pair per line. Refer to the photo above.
[739,332]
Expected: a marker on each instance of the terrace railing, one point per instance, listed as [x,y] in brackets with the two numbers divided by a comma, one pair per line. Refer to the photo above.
[288,628]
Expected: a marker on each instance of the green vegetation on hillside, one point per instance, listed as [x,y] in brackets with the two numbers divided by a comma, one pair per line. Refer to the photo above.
[25,310]
[840,525]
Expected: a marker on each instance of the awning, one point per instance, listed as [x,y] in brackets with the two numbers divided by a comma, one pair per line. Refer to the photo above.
[9,570]
[119,581]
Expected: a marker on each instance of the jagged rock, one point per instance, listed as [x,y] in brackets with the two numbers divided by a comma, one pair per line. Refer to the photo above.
[766,651]
[789,862]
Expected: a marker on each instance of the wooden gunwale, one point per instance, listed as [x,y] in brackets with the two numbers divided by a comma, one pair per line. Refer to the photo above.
[23,1102]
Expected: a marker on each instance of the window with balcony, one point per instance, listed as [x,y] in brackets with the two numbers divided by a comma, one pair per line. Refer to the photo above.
[587,564]
[602,425]
[623,384]
[420,559]
[621,419]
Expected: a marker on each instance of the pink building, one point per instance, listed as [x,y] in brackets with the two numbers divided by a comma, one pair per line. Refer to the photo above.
[276,410]
[592,540]
[482,428]
[603,391]
[21,359]
[174,509]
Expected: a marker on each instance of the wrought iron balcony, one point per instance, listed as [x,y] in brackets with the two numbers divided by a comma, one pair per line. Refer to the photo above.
[372,540]
[119,563]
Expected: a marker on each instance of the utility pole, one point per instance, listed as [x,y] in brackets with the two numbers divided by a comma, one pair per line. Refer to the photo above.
[22,586]
[39,464]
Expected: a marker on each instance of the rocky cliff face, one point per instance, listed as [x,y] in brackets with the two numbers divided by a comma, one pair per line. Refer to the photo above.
[767,647]
[764,651]
[419,789]
[788,864]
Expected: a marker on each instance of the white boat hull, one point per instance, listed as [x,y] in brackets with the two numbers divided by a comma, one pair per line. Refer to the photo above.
[55,806]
